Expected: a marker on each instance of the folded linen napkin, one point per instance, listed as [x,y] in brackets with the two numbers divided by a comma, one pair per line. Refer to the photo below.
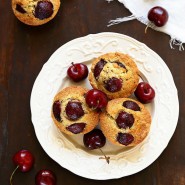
[175,27]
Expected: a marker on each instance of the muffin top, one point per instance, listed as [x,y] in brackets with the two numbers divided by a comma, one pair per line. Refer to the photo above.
[115,74]
[35,12]
[126,122]
[70,112]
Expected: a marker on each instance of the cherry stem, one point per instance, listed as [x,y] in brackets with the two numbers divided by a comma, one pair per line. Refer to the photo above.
[105,157]
[11,177]
[146,29]
[141,78]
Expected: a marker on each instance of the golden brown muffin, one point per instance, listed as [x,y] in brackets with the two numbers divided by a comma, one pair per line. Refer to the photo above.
[70,112]
[35,12]
[115,74]
[126,122]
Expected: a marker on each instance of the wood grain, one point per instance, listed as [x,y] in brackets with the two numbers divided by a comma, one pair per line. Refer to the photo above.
[24,50]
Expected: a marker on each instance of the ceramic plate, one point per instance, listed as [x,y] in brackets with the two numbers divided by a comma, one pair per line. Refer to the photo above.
[70,152]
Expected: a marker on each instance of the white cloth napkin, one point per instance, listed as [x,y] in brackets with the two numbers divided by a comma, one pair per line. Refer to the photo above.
[175,27]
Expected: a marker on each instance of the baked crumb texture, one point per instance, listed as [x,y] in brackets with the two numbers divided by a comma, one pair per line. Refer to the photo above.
[140,128]
[118,65]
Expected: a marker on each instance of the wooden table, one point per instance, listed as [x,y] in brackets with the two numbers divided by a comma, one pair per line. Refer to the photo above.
[24,50]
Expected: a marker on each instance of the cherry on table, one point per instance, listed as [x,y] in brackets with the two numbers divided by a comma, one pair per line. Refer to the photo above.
[95,140]
[96,99]
[158,15]
[45,177]
[144,92]
[24,161]
[77,72]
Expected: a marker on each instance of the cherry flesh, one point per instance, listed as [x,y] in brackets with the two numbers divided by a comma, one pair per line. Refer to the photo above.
[43,9]
[131,105]
[98,68]
[125,138]
[57,110]
[113,84]
[125,120]
[45,177]
[74,110]
[24,161]
[77,72]
[76,128]
[120,64]
[20,9]
[158,15]
[96,99]
[95,140]
[144,92]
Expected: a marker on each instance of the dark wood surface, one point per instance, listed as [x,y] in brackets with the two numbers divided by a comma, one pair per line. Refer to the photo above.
[24,50]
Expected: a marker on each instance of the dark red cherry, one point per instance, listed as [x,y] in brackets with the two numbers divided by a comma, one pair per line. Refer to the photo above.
[24,159]
[96,99]
[158,15]
[77,72]
[120,64]
[125,120]
[131,105]
[113,84]
[57,110]
[74,110]
[76,128]
[98,68]
[125,138]
[20,9]
[43,9]
[94,139]
[45,177]
[144,92]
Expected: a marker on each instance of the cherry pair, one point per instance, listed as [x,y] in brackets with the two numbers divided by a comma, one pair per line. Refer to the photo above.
[24,161]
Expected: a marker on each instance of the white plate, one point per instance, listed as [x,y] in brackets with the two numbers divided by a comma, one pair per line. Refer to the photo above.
[69,152]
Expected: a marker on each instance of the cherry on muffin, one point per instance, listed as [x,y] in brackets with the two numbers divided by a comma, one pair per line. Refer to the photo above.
[98,68]
[113,84]
[131,105]
[76,128]
[125,138]
[43,9]
[124,120]
[57,110]
[74,110]
[20,9]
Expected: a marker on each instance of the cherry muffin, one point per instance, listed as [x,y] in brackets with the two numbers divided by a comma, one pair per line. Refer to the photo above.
[126,122]
[70,112]
[35,12]
[115,74]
